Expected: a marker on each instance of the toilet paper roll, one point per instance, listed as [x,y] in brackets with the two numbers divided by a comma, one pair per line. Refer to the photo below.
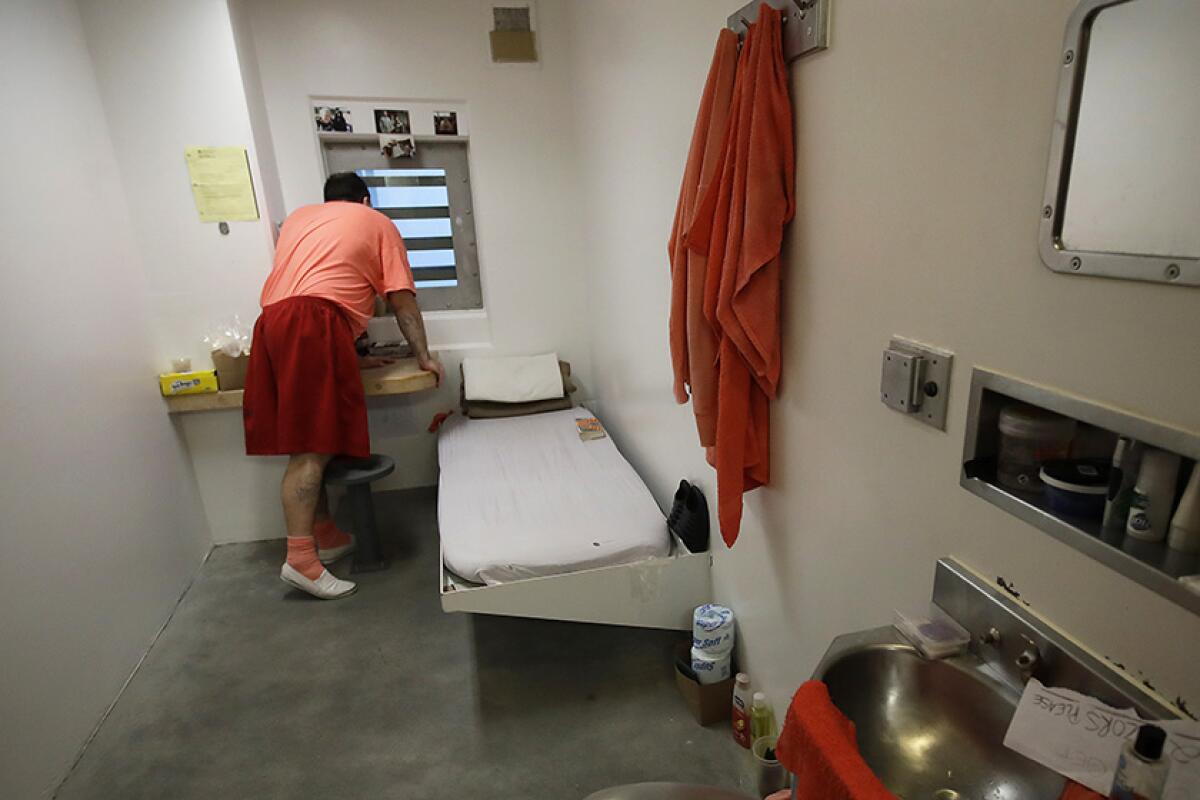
[713,629]
[711,669]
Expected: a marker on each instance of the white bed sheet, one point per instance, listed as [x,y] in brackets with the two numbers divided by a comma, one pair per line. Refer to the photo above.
[525,497]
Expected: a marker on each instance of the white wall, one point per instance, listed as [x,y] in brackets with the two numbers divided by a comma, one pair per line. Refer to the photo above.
[523,166]
[922,152]
[102,526]
[170,78]
[202,89]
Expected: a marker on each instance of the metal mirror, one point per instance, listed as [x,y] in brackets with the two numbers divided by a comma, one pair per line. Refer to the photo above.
[1123,187]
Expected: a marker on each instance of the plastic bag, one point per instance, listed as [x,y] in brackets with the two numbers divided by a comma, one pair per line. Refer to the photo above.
[231,336]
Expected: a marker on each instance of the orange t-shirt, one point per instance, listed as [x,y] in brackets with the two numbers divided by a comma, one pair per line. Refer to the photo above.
[344,252]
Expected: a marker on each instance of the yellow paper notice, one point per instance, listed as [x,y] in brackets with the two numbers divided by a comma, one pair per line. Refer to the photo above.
[221,184]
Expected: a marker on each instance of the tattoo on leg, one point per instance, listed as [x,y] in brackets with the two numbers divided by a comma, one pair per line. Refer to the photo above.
[307,490]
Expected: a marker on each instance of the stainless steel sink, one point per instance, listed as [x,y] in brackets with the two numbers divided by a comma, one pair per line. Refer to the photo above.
[931,729]
[934,730]
[666,791]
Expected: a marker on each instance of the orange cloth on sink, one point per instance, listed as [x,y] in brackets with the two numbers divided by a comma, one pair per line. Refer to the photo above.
[1074,791]
[817,745]
[739,225]
[693,340]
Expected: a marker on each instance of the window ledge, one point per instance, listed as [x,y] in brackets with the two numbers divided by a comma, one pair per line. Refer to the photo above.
[447,330]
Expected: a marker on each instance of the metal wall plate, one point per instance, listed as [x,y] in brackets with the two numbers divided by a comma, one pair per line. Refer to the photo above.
[805,24]
[915,380]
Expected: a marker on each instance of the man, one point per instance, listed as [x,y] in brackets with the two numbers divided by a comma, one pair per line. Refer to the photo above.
[304,395]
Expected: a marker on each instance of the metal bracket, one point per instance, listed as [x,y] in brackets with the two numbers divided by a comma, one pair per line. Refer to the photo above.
[805,28]
[916,380]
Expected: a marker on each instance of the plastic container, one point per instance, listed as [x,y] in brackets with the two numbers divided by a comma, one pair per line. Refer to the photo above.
[939,637]
[1126,461]
[1076,487]
[742,698]
[1030,436]
[762,718]
[1185,525]
[1150,510]
[769,775]
[1142,771]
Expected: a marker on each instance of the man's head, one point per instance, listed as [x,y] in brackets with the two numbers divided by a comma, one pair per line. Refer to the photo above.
[347,187]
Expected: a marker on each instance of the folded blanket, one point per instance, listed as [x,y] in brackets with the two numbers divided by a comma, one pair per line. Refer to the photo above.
[486,409]
[518,379]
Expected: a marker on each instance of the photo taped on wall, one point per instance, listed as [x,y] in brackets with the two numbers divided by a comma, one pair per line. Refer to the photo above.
[445,123]
[397,145]
[333,119]
[389,120]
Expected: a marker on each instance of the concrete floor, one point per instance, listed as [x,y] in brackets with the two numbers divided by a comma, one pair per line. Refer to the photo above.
[255,690]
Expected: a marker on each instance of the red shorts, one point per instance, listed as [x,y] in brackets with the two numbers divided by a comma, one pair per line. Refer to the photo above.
[304,393]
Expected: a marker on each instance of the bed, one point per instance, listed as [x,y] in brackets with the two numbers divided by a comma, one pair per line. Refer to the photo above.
[536,522]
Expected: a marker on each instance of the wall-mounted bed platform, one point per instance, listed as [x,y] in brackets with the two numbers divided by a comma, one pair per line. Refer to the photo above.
[536,522]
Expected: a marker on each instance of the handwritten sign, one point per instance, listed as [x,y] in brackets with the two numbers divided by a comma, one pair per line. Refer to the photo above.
[221,184]
[1081,738]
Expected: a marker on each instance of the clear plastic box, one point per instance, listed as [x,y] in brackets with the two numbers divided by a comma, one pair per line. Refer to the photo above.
[936,635]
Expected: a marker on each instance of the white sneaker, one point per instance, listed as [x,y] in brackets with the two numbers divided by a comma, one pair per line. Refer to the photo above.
[332,554]
[326,587]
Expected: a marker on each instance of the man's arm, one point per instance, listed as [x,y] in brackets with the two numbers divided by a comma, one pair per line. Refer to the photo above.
[408,317]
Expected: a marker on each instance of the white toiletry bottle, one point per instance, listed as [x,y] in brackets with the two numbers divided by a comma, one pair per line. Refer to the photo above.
[1142,771]
[1185,525]
[1126,461]
[742,698]
[1150,510]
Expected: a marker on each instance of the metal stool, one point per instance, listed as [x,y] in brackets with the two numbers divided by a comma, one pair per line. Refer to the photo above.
[356,474]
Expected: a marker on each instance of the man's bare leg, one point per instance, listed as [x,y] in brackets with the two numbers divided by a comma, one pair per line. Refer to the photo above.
[303,490]
[303,483]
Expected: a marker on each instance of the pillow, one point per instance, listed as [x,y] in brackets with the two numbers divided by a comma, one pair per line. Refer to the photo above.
[485,409]
[512,380]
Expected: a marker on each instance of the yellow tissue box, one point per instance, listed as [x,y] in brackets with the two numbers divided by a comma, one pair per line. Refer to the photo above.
[201,381]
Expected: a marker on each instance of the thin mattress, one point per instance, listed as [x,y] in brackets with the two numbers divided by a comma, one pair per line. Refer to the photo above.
[525,497]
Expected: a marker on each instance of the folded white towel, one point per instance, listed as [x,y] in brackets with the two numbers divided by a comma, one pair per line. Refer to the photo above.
[517,379]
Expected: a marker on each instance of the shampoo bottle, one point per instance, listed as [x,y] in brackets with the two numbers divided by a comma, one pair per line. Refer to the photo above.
[762,718]
[1126,460]
[1185,525]
[1142,771]
[1150,509]
[742,699]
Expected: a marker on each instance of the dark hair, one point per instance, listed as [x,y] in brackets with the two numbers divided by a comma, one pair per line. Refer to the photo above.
[346,186]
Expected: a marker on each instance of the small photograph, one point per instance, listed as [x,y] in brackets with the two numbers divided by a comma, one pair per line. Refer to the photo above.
[391,121]
[333,119]
[397,146]
[445,123]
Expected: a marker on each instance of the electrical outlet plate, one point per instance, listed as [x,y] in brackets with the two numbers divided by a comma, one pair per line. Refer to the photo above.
[916,380]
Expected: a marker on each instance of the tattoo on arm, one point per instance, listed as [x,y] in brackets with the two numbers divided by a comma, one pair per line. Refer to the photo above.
[408,317]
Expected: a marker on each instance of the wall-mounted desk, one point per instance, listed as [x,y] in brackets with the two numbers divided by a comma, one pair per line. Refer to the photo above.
[240,494]
[402,377]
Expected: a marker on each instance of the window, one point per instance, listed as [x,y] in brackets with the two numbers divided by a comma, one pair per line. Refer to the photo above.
[428,198]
